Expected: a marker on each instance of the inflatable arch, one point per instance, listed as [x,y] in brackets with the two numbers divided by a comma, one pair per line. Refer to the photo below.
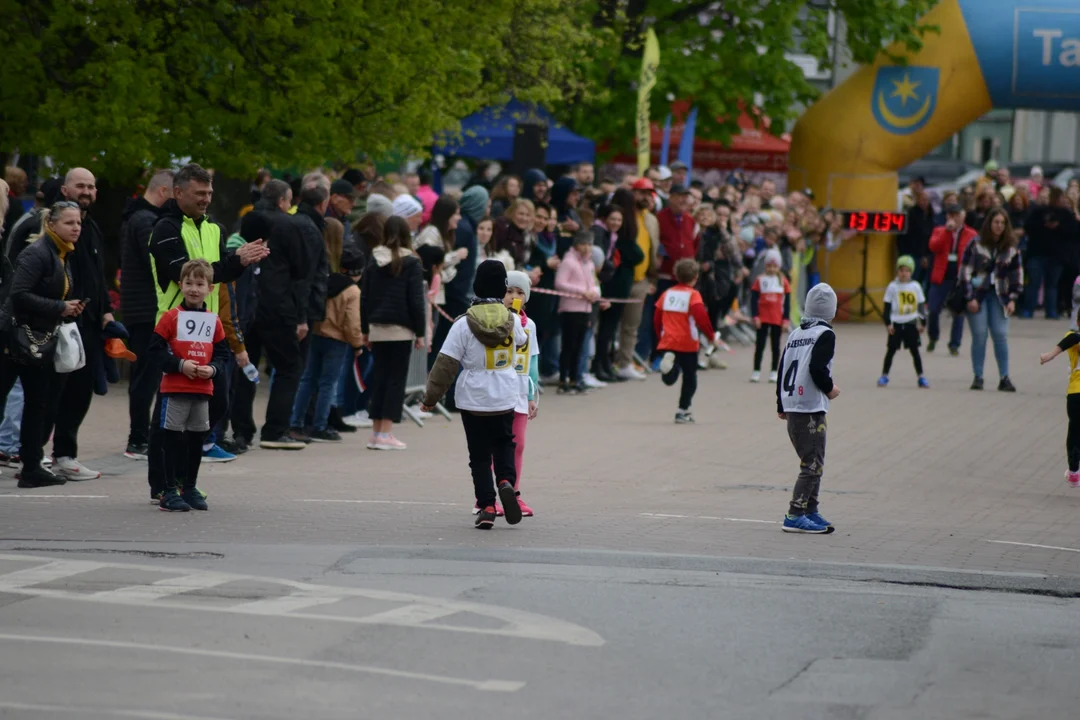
[989,53]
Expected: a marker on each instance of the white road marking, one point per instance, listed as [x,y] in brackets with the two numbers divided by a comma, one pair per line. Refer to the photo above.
[379,502]
[709,517]
[116,712]
[418,611]
[64,497]
[487,685]
[1034,545]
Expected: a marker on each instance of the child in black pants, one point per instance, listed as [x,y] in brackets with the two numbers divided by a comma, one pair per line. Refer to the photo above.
[679,319]
[905,318]
[770,306]
[189,345]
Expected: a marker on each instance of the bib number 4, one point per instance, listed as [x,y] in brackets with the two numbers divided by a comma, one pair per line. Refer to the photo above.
[788,384]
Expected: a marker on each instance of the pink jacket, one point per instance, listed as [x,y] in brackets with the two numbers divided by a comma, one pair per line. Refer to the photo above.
[575,276]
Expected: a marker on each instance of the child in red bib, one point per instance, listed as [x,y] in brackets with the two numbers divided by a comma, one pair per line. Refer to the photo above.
[770,306]
[189,345]
[679,320]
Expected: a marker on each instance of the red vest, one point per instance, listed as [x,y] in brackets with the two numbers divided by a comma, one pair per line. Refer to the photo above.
[191,337]
[678,238]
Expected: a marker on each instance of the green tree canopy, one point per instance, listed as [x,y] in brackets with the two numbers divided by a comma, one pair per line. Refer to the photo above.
[118,85]
[720,53]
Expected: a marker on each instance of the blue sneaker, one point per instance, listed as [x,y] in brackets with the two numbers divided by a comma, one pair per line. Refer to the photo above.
[923,382]
[815,517]
[217,455]
[803,524]
[656,364]
[883,381]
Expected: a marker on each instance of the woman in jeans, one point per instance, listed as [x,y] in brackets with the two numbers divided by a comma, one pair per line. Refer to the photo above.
[992,278]
[393,321]
[37,305]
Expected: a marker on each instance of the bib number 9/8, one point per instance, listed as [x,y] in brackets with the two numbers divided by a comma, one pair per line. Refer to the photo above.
[195,327]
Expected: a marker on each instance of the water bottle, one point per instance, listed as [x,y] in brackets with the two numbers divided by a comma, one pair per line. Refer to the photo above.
[252,373]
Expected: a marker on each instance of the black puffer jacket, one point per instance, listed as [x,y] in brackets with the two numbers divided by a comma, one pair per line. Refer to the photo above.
[19,235]
[37,288]
[138,298]
[386,299]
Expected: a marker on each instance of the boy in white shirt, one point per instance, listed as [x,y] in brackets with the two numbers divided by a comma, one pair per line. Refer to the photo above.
[905,318]
[482,344]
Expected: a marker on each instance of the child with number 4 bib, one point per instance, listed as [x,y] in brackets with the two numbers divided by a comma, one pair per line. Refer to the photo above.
[802,399]
[905,318]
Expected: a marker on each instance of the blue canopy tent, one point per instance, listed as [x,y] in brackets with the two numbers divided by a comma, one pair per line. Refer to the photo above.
[489,135]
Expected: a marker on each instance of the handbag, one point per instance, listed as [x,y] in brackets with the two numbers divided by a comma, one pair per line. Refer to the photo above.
[954,300]
[70,354]
[30,347]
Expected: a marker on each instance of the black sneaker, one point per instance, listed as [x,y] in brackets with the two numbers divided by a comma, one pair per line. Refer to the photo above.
[236,446]
[564,389]
[194,499]
[329,435]
[977,384]
[299,434]
[683,417]
[931,345]
[954,351]
[511,509]
[137,451]
[172,502]
[580,389]
[12,461]
[1006,385]
[485,519]
[336,422]
[155,496]
[38,477]
[284,441]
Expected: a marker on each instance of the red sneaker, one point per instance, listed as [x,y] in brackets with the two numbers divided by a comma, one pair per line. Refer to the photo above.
[485,519]
[526,511]
[498,509]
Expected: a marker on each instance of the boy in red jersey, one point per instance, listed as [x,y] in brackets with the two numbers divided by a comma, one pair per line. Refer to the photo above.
[189,344]
[680,318]
[770,306]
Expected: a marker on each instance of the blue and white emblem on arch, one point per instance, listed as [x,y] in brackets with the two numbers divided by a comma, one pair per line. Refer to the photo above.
[904,98]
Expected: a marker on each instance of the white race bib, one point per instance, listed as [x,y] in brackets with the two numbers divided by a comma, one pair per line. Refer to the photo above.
[195,326]
[677,301]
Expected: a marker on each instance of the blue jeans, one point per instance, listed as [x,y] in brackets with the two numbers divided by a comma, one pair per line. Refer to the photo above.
[321,375]
[936,301]
[10,428]
[583,359]
[1042,270]
[990,316]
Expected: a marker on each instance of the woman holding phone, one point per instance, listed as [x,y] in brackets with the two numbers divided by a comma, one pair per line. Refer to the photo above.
[38,303]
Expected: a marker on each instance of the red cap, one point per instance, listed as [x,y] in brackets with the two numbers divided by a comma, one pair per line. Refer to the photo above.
[643,184]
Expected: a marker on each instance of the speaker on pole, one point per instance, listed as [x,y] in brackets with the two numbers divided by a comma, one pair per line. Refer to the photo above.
[530,148]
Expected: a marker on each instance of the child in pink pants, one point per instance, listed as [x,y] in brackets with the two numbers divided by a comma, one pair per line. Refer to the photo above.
[527,364]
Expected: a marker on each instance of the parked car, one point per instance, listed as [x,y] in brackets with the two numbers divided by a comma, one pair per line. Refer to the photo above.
[935,170]
[1062,178]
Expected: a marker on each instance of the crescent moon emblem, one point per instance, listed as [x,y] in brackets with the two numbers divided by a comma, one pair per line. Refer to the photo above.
[903,122]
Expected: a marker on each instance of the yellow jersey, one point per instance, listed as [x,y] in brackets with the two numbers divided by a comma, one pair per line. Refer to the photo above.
[1071,345]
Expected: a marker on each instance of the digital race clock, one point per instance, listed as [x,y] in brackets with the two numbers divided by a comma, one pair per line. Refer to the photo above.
[875,222]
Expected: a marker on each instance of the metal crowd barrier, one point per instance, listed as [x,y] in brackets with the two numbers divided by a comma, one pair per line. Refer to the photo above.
[416,380]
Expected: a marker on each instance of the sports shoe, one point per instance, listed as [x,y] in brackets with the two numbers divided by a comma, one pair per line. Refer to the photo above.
[385,441]
[72,469]
[498,509]
[37,478]
[1006,385]
[511,509]
[196,500]
[591,381]
[667,363]
[236,446]
[931,345]
[172,502]
[299,434]
[629,373]
[12,461]
[954,351]
[816,518]
[526,511]
[923,382]
[485,519]
[1073,478]
[772,376]
[883,381]
[580,389]
[803,524]
[683,417]
[755,376]
[281,442]
[137,451]
[359,419]
[217,454]
[155,496]
[336,422]
[329,435]
[977,384]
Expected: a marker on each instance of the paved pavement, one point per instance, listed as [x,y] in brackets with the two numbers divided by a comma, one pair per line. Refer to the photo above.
[654,581]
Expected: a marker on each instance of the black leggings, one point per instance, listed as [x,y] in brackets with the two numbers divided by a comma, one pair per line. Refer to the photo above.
[906,334]
[389,372]
[605,338]
[1072,440]
[574,327]
[686,362]
[491,443]
[772,332]
[183,449]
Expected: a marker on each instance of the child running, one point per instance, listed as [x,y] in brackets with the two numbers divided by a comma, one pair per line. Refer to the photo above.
[679,320]
[527,365]
[1070,344]
[189,346]
[905,318]
[482,345]
[770,306]
[802,399]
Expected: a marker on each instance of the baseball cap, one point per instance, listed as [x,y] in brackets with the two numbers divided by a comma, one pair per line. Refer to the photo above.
[677,165]
[664,171]
[342,187]
[679,190]
[643,184]
[115,348]
[952,209]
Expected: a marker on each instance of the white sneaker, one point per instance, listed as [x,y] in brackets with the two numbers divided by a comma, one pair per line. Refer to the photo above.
[72,469]
[629,373]
[756,376]
[386,442]
[358,420]
[667,363]
[590,381]
[772,376]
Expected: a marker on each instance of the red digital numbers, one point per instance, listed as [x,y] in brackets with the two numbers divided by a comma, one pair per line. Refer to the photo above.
[877,222]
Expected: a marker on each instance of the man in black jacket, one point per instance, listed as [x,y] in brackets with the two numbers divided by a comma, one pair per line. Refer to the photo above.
[138,304]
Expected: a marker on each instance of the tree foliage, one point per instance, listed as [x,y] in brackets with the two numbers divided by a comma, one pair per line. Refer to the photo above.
[118,85]
[721,53]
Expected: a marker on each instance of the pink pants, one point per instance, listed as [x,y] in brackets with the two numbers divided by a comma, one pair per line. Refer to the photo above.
[521,421]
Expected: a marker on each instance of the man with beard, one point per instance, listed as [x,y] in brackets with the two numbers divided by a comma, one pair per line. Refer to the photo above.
[645,272]
[184,233]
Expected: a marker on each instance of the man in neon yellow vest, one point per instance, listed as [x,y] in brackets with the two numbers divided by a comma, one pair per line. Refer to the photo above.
[184,232]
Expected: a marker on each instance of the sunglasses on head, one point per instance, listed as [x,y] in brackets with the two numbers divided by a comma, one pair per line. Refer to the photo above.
[65,204]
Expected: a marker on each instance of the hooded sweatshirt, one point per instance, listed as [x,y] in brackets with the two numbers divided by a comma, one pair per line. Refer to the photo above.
[342,311]
[482,342]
